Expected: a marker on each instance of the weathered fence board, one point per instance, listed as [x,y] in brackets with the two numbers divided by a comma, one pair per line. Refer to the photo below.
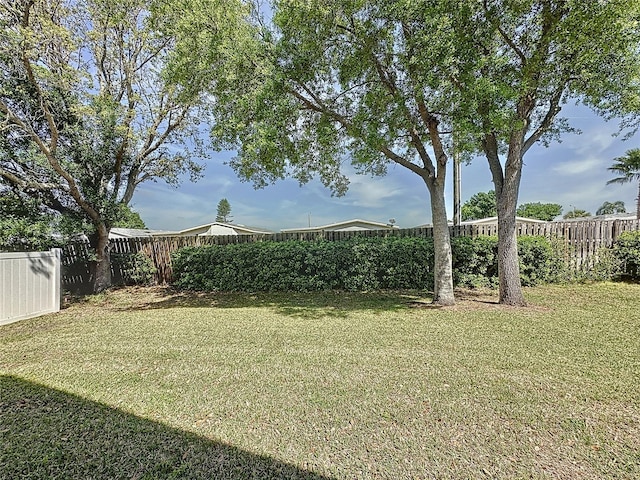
[581,241]
[29,284]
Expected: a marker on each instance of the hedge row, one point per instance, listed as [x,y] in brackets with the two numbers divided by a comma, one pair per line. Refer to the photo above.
[626,251]
[356,264]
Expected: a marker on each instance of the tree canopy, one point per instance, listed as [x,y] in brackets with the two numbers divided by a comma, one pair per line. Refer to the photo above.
[483,205]
[24,224]
[608,208]
[576,213]
[540,211]
[85,111]
[28,225]
[224,211]
[627,168]
[480,205]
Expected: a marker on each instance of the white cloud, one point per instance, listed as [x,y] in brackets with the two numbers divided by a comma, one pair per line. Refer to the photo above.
[577,167]
[220,182]
[594,141]
[373,193]
[570,173]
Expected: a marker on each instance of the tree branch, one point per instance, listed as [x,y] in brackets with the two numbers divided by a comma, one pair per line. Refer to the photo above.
[321,108]
[490,147]
[53,162]
[553,110]
[510,42]
[26,184]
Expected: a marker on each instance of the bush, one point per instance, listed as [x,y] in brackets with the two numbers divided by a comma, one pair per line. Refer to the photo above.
[540,261]
[407,263]
[131,269]
[475,261]
[626,250]
[356,264]
[605,266]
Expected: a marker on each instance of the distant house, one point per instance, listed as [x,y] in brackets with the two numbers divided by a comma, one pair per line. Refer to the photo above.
[355,225]
[220,228]
[602,218]
[494,221]
[137,233]
[215,228]
[489,221]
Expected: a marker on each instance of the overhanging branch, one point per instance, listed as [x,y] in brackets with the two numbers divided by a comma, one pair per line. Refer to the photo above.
[315,104]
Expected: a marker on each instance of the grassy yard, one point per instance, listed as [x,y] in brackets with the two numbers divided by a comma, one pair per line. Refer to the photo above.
[149,383]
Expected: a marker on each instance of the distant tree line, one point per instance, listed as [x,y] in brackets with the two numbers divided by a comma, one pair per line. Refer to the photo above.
[483,205]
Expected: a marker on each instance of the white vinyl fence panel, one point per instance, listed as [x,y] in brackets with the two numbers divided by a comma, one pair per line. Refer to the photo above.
[29,284]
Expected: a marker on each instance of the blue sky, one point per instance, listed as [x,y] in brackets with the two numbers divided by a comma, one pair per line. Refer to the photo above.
[572,173]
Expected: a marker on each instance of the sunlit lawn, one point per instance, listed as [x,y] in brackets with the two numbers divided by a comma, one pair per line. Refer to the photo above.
[148,383]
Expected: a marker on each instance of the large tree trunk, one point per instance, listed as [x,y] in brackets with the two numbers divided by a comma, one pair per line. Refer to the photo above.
[507,186]
[101,278]
[508,260]
[507,201]
[443,270]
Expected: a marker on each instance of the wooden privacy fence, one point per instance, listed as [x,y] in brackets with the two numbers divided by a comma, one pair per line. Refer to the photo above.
[580,239]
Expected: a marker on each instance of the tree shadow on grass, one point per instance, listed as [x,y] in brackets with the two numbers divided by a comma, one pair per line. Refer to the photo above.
[334,303]
[49,434]
[314,304]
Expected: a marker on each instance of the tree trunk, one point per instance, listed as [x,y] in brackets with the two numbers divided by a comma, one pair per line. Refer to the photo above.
[101,278]
[507,186]
[508,260]
[443,269]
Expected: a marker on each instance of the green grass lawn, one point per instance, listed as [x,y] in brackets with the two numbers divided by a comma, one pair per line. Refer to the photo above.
[149,383]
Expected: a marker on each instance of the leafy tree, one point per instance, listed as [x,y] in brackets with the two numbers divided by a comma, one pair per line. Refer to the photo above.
[480,205]
[628,169]
[224,211]
[24,225]
[576,213]
[127,218]
[389,81]
[85,115]
[541,211]
[608,208]
[509,67]
[327,81]
[27,225]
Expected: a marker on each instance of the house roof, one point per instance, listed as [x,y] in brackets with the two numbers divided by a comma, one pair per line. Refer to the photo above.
[602,218]
[490,220]
[355,224]
[487,221]
[136,232]
[221,228]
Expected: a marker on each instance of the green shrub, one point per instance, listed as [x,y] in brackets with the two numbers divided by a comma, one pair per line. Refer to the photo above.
[605,266]
[626,250]
[407,263]
[475,261]
[356,264]
[540,262]
[131,269]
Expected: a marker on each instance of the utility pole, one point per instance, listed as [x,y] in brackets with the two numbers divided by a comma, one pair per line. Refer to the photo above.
[457,184]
